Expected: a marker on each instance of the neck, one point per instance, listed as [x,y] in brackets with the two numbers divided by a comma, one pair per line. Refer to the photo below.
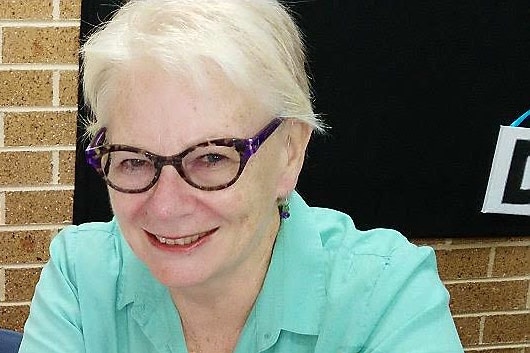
[217,311]
[212,321]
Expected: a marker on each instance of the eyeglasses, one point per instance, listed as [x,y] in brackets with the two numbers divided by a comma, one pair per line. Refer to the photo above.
[210,165]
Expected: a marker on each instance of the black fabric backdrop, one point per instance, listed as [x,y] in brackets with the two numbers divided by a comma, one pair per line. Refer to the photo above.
[414,92]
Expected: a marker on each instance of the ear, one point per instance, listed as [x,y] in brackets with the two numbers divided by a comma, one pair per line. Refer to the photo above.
[295,139]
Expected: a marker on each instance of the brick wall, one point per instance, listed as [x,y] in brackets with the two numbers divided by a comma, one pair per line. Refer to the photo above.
[489,279]
[38,94]
[489,283]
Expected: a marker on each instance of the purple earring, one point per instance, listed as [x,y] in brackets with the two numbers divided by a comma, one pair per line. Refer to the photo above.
[283,208]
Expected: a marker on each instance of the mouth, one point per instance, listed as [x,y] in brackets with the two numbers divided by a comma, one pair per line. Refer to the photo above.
[181,241]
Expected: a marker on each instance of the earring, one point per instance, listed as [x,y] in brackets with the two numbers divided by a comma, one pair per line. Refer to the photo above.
[283,208]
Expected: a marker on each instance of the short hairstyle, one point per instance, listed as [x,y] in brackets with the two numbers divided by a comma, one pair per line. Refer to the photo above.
[255,43]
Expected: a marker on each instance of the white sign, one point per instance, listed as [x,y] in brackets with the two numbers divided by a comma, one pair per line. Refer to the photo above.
[508,190]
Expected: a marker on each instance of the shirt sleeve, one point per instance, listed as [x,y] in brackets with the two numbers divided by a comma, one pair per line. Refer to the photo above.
[54,323]
[415,315]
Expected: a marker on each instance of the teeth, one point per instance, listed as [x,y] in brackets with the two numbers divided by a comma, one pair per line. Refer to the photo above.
[179,241]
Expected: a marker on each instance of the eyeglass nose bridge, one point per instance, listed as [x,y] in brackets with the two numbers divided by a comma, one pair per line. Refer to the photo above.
[174,161]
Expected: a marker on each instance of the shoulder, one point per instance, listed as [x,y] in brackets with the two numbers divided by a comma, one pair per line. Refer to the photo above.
[375,280]
[77,292]
[85,236]
[86,250]
[87,232]
[372,264]
[381,261]
[339,235]
[350,249]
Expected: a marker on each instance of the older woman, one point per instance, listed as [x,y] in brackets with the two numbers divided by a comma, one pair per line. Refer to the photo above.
[203,115]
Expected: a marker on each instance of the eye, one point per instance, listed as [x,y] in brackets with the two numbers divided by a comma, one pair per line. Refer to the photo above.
[134,164]
[212,159]
[122,162]
[209,161]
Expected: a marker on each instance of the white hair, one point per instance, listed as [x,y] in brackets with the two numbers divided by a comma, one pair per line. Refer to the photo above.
[255,43]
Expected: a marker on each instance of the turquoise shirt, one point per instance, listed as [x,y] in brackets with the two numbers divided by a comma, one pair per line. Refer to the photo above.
[330,288]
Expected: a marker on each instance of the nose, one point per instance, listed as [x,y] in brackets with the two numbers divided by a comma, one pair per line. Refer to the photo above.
[171,197]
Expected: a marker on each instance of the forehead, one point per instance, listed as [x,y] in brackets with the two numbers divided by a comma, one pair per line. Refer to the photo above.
[161,112]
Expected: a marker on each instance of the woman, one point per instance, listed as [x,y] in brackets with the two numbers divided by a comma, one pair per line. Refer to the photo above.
[203,115]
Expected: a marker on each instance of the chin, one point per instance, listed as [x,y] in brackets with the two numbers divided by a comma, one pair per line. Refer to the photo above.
[178,279]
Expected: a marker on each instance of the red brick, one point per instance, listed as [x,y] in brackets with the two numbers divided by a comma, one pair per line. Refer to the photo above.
[463,263]
[512,261]
[20,284]
[513,328]
[24,247]
[14,317]
[487,296]
[468,329]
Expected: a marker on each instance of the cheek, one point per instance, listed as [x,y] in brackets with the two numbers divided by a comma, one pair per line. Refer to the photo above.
[256,189]
[125,207]
[232,204]
[263,174]
[254,198]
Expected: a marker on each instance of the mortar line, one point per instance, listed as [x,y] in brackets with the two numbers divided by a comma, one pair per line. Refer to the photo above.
[2,284]
[55,167]
[493,313]
[40,24]
[528,297]
[38,67]
[2,208]
[489,347]
[24,266]
[56,77]
[48,109]
[488,280]
[481,330]
[491,261]
[56,9]
[2,129]
[6,304]
[504,243]
[33,227]
[45,148]
[1,44]
[37,188]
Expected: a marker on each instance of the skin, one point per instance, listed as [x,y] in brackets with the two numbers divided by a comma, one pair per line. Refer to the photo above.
[215,283]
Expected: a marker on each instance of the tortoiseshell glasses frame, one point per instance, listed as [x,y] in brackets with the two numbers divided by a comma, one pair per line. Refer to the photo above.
[210,165]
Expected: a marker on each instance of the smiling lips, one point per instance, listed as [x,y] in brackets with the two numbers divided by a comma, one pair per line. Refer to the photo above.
[184,240]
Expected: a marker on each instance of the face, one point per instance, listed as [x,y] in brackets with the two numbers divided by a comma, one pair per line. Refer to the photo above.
[189,237]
